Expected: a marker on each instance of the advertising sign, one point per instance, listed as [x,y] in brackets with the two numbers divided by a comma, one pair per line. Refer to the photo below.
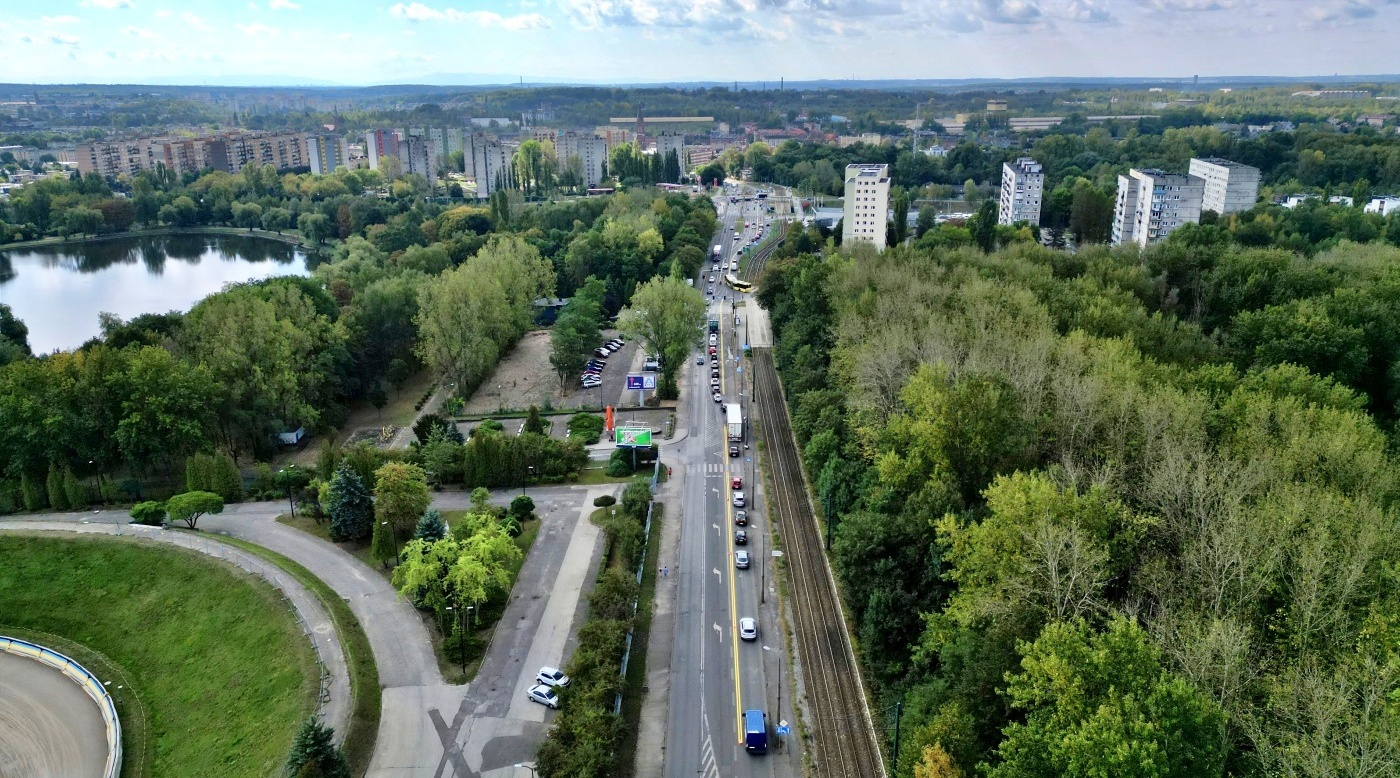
[633,437]
[635,382]
[649,381]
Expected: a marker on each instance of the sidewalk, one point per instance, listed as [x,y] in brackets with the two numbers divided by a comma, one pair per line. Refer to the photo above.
[655,707]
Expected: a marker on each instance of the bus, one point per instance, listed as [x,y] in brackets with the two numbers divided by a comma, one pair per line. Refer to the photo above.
[737,285]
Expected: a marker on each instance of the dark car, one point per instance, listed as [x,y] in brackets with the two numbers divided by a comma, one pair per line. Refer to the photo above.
[741,537]
[741,518]
[733,449]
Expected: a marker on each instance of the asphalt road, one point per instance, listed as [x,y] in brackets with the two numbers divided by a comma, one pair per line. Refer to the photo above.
[715,676]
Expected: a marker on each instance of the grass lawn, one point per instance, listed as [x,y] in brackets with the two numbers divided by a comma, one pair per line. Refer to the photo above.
[222,671]
[364,675]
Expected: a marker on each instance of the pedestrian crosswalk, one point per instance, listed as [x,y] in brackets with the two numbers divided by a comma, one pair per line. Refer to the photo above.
[709,468]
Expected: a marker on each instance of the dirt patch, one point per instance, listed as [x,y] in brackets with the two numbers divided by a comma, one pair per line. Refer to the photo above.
[523,378]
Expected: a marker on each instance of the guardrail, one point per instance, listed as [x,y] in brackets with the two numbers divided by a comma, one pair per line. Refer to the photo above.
[88,682]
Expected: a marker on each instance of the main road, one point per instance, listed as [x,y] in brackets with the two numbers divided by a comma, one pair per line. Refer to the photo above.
[716,676]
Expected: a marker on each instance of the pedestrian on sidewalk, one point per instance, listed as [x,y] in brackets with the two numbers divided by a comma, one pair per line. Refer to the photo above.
[664,571]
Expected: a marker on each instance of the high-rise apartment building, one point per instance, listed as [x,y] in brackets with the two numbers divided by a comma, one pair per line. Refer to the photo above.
[668,142]
[326,153]
[416,154]
[591,152]
[228,152]
[1022,184]
[1230,186]
[380,144]
[486,159]
[1152,204]
[867,204]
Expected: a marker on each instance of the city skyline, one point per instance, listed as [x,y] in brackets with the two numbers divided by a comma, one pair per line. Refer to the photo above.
[322,42]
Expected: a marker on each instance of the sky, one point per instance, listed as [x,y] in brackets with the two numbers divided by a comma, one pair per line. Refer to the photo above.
[357,42]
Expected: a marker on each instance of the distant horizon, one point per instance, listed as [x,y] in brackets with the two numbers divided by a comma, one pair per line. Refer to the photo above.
[480,81]
[605,42]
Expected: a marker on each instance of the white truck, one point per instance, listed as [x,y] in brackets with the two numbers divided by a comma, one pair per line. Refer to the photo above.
[734,419]
[718,249]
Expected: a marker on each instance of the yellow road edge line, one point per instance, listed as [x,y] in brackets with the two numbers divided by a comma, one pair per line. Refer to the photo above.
[729,533]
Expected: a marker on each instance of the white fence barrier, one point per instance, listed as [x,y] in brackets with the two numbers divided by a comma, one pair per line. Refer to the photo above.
[90,684]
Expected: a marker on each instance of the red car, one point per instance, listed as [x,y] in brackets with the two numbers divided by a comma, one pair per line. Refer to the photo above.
[736,483]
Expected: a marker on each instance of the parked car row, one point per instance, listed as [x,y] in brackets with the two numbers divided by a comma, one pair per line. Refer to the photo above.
[593,370]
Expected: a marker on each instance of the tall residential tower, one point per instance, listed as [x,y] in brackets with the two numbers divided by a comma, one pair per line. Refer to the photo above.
[1022,184]
[867,204]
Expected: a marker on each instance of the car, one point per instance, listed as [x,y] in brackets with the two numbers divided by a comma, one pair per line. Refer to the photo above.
[601,352]
[748,629]
[714,338]
[736,483]
[741,560]
[543,695]
[714,351]
[714,383]
[741,518]
[736,236]
[714,359]
[733,449]
[719,398]
[714,372]
[712,278]
[592,384]
[700,360]
[738,500]
[710,290]
[741,538]
[552,676]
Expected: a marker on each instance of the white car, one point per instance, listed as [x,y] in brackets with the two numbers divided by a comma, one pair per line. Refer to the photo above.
[714,339]
[543,695]
[719,398]
[738,499]
[748,629]
[552,676]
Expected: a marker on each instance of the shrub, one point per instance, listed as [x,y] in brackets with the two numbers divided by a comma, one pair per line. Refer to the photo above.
[522,508]
[617,468]
[227,482]
[604,501]
[30,491]
[150,513]
[190,506]
[73,490]
[53,485]
[199,473]
[586,427]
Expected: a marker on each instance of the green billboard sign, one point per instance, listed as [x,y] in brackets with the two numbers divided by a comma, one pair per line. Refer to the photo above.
[632,437]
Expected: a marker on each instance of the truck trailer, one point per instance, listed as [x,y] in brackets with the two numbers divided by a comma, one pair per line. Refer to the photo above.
[735,420]
[718,249]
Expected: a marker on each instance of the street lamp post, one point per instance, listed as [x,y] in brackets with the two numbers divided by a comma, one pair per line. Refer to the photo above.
[527,766]
[531,478]
[395,536]
[461,635]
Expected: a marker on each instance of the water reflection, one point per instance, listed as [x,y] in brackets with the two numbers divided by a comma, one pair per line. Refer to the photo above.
[60,290]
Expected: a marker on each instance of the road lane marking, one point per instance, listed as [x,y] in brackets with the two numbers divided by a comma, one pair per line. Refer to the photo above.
[733,595]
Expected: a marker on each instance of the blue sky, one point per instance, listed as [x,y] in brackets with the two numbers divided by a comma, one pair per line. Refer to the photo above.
[373,41]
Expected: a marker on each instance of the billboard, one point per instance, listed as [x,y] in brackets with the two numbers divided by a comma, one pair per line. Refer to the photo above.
[633,437]
[634,382]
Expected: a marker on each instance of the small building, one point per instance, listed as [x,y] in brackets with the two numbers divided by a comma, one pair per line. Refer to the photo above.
[1384,206]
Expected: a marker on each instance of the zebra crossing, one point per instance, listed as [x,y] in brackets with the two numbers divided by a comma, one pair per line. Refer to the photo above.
[709,468]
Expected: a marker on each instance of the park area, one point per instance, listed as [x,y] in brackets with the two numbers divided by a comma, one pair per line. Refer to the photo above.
[210,672]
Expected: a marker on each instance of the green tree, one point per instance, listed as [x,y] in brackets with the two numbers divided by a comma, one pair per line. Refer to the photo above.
[32,493]
[74,491]
[534,422]
[276,220]
[247,215]
[901,217]
[150,513]
[431,527]
[314,753]
[667,316]
[1091,213]
[522,508]
[82,221]
[349,505]
[199,473]
[1099,704]
[190,506]
[983,226]
[227,482]
[316,227]
[383,548]
[400,496]
[58,499]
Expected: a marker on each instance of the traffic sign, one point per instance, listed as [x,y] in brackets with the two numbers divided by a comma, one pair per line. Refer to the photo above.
[635,382]
[632,437]
[782,730]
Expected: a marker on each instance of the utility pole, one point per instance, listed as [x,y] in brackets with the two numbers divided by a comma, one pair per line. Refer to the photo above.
[894,758]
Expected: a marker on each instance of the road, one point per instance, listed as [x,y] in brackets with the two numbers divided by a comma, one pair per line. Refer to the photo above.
[715,676]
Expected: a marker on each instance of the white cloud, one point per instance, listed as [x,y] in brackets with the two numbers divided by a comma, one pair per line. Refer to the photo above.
[58,19]
[195,21]
[418,12]
[137,32]
[256,30]
[63,40]
[163,13]
[282,5]
[1087,11]
[107,4]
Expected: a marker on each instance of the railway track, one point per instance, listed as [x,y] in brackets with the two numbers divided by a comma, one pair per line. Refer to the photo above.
[843,736]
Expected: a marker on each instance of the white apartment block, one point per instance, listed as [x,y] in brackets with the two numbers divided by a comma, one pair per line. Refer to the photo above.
[486,158]
[380,144]
[326,153]
[1022,185]
[1230,186]
[667,142]
[1152,204]
[867,204]
[417,155]
[1384,206]
[591,151]
[228,152]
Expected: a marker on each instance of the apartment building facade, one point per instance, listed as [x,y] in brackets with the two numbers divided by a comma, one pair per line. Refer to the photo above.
[228,152]
[486,159]
[1022,186]
[325,153]
[867,204]
[667,142]
[1229,186]
[1152,204]
[591,152]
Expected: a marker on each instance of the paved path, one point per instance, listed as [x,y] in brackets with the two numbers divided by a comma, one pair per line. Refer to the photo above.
[49,726]
[315,622]
[428,727]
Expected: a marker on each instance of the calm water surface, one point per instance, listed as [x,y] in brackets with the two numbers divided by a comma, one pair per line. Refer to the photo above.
[58,291]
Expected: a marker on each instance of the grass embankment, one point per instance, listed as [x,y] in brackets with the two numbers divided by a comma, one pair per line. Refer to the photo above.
[485,622]
[223,673]
[634,694]
[365,693]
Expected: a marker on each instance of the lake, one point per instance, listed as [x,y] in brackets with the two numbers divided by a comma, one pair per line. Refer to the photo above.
[58,291]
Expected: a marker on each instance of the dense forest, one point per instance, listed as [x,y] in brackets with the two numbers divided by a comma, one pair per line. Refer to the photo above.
[408,284]
[1107,513]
